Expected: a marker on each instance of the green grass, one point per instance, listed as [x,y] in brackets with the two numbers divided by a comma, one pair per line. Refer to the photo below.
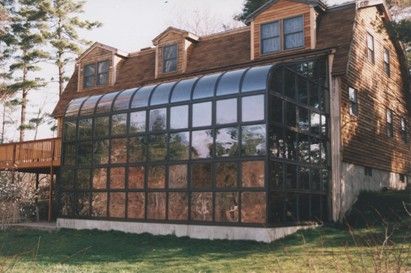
[325,249]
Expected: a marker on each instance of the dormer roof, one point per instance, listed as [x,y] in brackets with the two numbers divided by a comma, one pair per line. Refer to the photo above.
[185,34]
[114,50]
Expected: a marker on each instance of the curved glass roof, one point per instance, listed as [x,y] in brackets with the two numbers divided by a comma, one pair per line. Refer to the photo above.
[216,84]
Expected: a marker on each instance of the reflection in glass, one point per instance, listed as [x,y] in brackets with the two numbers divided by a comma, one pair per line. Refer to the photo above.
[156,205]
[304,148]
[230,82]
[201,176]
[67,179]
[69,130]
[303,119]
[83,179]
[99,204]
[89,105]
[304,178]
[161,93]
[67,204]
[85,152]
[290,84]
[156,177]
[157,147]
[119,150]
[69,154]
[104,105]
[85,128]
[83,204]
[158,119]
[178,206]
[315,123]
[101,127]
[277,175]
[205,86]
[136,177]
[256,78]
[117,178]
[117,205]
[291,114]
[227,142]
[119,124]
[226,111]
[201,206]
[202,144]
[142,96]
[179,117]
[202,114]
[253,173]
[253,140]
[226,207]
[182,91]
[177,176]
[74,106]
[226,175]
[291,177]
[179,143]
[252,108]
[100,178]
[122,101]
[136,203]
[136,149]
[253,207]
[137,122]
[101,152]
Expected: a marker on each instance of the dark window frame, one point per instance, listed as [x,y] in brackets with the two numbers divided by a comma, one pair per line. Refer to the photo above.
[389,119]
[295,32]
[165,59]
[353,101]
[370,48]
[96,75]
[262,39]
[387,62]
[404,129]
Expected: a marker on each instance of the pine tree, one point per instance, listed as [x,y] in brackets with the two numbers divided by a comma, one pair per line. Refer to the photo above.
[63,35]
[24,44]
[249,7]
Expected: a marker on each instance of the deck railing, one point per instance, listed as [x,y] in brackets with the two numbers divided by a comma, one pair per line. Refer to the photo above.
[33,154]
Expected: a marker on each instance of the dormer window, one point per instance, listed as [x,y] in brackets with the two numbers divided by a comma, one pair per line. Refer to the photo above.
[270,37]
[294,32]
[96,74]
[170,58]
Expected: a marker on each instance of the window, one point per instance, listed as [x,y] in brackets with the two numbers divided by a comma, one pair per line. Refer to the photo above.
[370,46]
[404,130]
[270,37]
[353,97]
[294,32]
[368,171]
[390,126]
[387,68]
[170,58]
[96,74]
[403,178]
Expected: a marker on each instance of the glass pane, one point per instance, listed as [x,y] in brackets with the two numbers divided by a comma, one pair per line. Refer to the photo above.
[103,67]
[158,119]
[89,70]
[290,84]
[253,207]
[83,204]
[137,122]
[85,152]
[83,179]
[226,175]
[252,108]
[205,86]
[294,40]
[67,179]
[291,177]
[100,178]
[202,114]
[117,178]
[226,207]
[157,147]
[161,93]
[74,107]
[101,127]
[136,149]
[69,130]
[89,105]
[294,24]
[117,207]
[201,206]
[118,124]
[201,144]
[156,177]
[291,114]
[156,205]
[230,82]
[201,176]
[226,111]
[270,30]
[136,177]
[179,117]
[99,204]
[177,176]
[170,52]
[85,127]
[303,121]
[104,105]
[122,102]
[253,140]
[136,205]
[142,96]
[67,204]
[253,174]
[256,79]
[302,86]
[303,148]
[69,154]
[271,45]
[182,91]
[227,142]
[101,152]
[119,150]
[179,144]
[178,206]
[303,178]
[277,176]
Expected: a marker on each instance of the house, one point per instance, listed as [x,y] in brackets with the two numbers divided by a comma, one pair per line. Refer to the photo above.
[251,133]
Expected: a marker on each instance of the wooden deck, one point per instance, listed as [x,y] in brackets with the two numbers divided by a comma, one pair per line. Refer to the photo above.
[32,156]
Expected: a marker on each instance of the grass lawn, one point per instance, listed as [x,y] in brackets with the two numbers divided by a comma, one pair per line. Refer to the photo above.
[326,249]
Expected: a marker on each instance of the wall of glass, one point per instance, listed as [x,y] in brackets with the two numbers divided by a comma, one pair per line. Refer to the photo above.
[196,150]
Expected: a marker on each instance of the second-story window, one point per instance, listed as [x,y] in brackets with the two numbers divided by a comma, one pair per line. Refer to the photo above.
[387,69]
[102,73]
[270,37]
[89,75]
[370,48]
[294,32]
[96,74]
[404,130]
[390,124]
[353,97]
[170,58]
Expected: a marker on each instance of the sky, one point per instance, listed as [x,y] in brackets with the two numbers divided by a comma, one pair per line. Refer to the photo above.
[130,25]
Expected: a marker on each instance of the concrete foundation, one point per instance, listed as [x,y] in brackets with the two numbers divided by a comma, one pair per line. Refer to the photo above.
[265,235]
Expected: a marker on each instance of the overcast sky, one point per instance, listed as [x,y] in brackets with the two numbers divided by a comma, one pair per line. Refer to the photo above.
[130,25]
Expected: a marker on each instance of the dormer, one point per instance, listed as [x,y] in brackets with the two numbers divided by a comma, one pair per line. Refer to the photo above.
[172,47]
[281,26]
[97,67]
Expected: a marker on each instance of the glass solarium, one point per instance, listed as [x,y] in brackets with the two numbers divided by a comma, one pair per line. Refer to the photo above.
[242,147]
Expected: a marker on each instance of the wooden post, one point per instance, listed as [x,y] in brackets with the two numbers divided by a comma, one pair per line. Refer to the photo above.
[36,200]
[50,212]
[13,163]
